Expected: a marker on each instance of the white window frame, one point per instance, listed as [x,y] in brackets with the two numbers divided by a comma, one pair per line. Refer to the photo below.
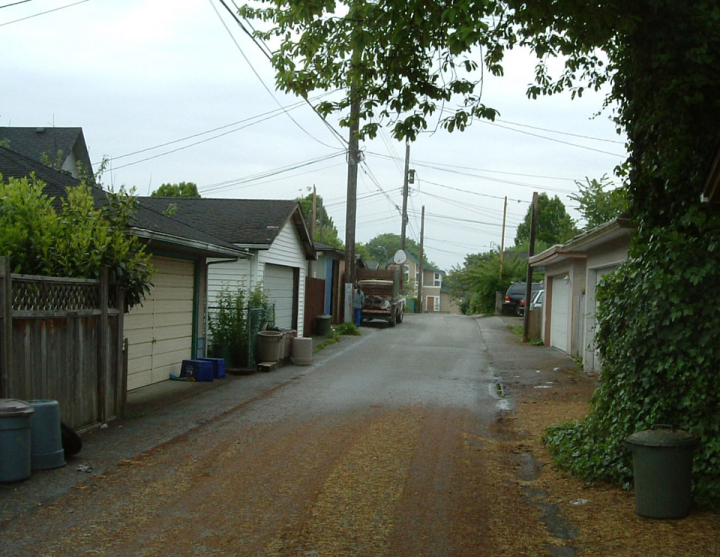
[437,279]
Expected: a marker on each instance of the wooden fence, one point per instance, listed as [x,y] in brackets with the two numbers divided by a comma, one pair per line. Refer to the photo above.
[314,303]
[62,339]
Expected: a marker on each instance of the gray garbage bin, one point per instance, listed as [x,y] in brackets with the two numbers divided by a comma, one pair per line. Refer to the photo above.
[270,344]
[15,440]
[662,468]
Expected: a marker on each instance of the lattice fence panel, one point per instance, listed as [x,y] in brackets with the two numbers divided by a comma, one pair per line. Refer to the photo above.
[33,294]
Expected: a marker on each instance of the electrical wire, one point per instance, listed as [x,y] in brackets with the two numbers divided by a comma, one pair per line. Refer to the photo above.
[441,166]
[555,140]
[562,133]
[247,60]
[14,4]
[265,117]
[241,181]
[189,145]
[42,13]
[266,52]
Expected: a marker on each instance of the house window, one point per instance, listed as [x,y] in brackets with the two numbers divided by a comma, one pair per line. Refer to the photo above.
[437,280]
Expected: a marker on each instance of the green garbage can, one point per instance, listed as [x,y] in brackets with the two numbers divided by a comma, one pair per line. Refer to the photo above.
[323,324]
[15,440]
[662,468]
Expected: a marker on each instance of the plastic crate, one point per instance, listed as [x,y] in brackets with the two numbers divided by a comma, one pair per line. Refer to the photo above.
[199,370]
[218,366]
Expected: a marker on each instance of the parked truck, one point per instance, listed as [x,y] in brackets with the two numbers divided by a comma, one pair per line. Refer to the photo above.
[384,298]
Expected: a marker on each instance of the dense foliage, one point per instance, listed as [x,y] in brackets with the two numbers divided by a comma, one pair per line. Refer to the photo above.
[657,324]
[403,59]
[74,241]
[236,317]
[554,225]
[476,282]
[599,202]
[325,230]
[183,189]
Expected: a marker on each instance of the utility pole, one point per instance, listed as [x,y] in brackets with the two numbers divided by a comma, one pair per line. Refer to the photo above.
[502,240]
[322,221]
[350,215]
[314,214]
[422,256]
[405,195]
[528,283]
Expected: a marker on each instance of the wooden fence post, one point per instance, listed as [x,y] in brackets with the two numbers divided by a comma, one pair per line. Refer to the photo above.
[103,352]
[7,327]
[121,377]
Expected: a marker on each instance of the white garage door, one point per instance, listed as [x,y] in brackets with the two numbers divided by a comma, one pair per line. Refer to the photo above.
[560,313]
[279,283]
[160,332]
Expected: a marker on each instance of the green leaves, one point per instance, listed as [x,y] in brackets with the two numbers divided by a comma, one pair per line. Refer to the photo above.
[657,335]
[75,241]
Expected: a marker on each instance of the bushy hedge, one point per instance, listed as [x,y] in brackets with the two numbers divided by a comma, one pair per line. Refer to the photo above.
[659,334]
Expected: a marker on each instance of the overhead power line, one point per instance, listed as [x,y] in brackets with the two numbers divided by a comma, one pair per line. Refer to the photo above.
[247,60]
[553,139]
[245,180]
[41,13]
[562,133]
[265,51]
[14,4]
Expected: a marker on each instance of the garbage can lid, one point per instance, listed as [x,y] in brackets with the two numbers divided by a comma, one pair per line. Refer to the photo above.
[10,408]
[270,334]
[662,436]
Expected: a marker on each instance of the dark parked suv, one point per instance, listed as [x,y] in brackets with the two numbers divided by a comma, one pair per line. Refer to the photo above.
[514,303]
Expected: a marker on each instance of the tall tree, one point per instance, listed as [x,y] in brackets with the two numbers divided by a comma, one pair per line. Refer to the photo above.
[554,225]
[183,189]
[599,201]
[325,230]
[383,246]
[405,59]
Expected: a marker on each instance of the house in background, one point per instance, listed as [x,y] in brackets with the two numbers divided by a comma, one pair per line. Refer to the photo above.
[33,143]
[434,298]
[275,238]
[170,325]
[572,273]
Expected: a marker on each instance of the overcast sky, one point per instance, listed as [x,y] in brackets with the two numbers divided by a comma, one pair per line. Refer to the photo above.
[140,74]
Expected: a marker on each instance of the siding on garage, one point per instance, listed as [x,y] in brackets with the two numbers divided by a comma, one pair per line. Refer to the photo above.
[279,283]
[160,332]
[287,251]
[230,275]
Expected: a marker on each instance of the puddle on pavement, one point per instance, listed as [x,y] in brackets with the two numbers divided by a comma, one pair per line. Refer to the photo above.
[555,520]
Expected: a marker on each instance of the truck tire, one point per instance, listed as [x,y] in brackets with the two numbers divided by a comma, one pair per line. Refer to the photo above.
[399,317]
[391,321]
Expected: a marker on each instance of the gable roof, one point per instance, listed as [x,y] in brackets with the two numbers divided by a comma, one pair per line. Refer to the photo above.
[577,247]
[146,223]
[33,142]
[249,223]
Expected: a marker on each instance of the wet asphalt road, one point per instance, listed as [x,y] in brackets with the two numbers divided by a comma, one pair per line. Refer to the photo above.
[367,454]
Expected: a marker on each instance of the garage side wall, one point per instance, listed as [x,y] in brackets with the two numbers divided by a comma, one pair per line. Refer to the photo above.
[287,251]
[599,263]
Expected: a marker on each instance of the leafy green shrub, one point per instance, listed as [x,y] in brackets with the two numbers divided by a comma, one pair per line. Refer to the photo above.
[236,317]
[348,329]
[658,331]
[74,241]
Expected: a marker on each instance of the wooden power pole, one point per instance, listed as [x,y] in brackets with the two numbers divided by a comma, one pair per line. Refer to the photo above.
[405,196]
[351,212]
[528,284]
[422,257]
